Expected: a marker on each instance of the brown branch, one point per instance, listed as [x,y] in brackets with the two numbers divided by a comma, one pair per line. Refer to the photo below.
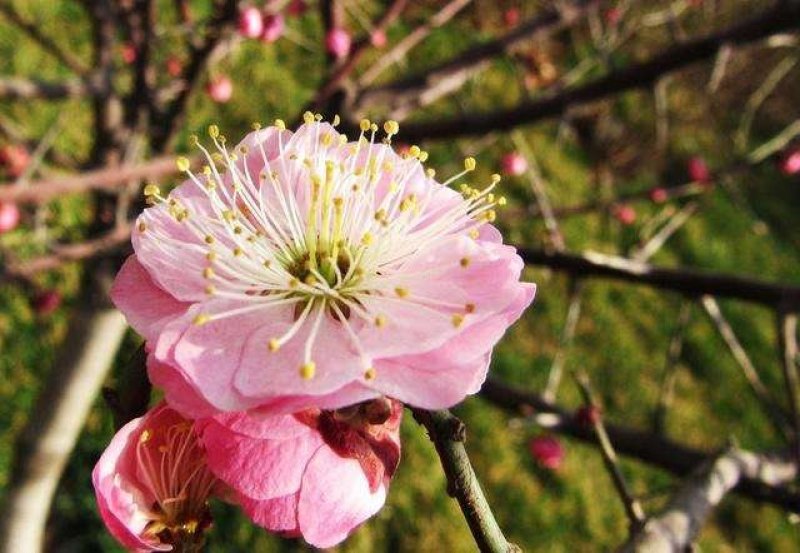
[16,88]
[448,435]
[645,446]
[402,97]
[782,17]
[678,525]
[689,282]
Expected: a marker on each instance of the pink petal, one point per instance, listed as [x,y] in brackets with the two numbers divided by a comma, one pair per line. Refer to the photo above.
[335,499]
[276,515]
[179,393]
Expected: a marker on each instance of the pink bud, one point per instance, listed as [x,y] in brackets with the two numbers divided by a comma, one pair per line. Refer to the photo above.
[15,158]
[613,16]
[220,89]
[9,216]
[338,42]
[698,170]
[297,8]
[378,38]
[511,17]
[625,214]
[174,66]
[128,53]
[790,164]
[588,416]
[274,26]
[251,23]
[514,164]
[44,303]
[659,195]
[547,451]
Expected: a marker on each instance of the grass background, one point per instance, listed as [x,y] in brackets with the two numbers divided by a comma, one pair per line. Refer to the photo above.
[746,225]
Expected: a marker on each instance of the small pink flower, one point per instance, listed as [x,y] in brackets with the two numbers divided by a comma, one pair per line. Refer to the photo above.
[378,38]
[316,474]
[9,216]
[274,26]
[128,53]
[46,302]
[511,17]
[613,16]
[659,195]
[251,22]
[698,170]
[174,66]
[514,164]
[297,8]
[790,164]
[152,483]
[15,158]
[335,272]
[220,89]
[338,42]
[547,451]
[624,213]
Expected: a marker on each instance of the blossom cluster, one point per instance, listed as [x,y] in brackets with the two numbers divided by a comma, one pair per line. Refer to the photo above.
[294,292]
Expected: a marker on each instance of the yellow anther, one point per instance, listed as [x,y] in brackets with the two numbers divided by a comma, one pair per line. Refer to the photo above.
[364,125]
[210,289]
[431,172]
[370,373]
[373,127]
[458,319]
[238,230]
[401,292]
[474,233]
[152,190]
[391,127]
[213,131]
[201,319]
[274,345]
[423,156]
[336,120]
[469,308]
[308,117]
[293,282]
[280,124]
[366,239]
[256,126]
[469,164]
[502,200]
[208,272]
[207,170]
[311,280]
[194,140]
[237,251]
[317,117]
[183,164]
[307,370]
[142,226]
[380,321]
[211,256]
[491,215]
[326,139]
[464,262]
[144,436]
[414,151]
[267,263]
[496,178]
[338,202]
[209,239]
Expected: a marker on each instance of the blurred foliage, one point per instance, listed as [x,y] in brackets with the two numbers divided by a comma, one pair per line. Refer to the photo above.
[746,225]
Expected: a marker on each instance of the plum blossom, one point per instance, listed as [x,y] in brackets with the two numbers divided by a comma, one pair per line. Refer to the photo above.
[153,484]
[301,270]
[315,474]
[220,89]
[251,22]
[698,170]
[547,451]
[338,42]
[514,164]
[9,216]
[274,27]
[790,163]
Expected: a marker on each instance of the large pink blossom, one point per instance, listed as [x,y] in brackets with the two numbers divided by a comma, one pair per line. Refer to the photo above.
[318,474]
[152,483]
[302,270]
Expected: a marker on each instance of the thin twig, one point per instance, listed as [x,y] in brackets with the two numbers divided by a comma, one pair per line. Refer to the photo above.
[667,388]
[567,336]
[787,340]
[652,246]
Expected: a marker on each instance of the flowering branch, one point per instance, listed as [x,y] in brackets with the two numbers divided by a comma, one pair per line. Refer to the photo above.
[448,434]
[782,17]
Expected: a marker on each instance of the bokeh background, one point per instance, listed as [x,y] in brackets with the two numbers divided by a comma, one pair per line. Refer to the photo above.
[743,220]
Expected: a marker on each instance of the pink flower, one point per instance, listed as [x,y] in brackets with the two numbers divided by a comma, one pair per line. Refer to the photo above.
[174,66]
[220,89]
[613,16]
[547,451]
[511,17]
[659,195]
[251,22]
[128,53]
[790,164]
[624,213]
[378,38]
[143,505]
[297,8]
[338,42]
[318,474]
[9,216]
[514,164]
[698,170]
[305,271]
[274,26]
[46,302]
[15,158]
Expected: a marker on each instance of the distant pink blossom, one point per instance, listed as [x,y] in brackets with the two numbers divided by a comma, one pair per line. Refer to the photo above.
[174,66]
[338,42]
[297,8]
[547,451]
[274,27]
[613,16]
[315,474]
[511,17]
[790,164]
[9,216]
[46,302]
[378,38]
[144,506]
[659,195]
[336,272]
[129,54]
[15,158]
[514,164]
[220,89]
[698,170]
[624,213]
[251,22]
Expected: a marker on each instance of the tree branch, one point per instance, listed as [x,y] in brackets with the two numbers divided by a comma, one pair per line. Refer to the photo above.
[15,88]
